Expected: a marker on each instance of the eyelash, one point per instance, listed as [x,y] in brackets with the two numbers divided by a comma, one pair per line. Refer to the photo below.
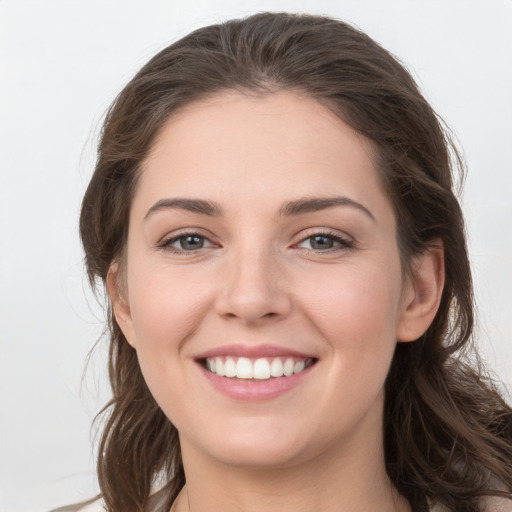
[345,244]
[166,244]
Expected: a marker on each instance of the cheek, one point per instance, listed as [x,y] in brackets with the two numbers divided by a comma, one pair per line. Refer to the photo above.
[354,301]
[166,309]
[166,313]
[356,311]
[165,301]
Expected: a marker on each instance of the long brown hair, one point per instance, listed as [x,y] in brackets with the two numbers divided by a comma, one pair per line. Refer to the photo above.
[447,429]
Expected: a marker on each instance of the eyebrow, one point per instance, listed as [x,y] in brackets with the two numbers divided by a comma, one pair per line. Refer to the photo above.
[288,209]
[315,204]
[192,205]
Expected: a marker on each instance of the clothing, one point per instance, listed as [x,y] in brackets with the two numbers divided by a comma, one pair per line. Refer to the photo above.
[97,506]
[492,504]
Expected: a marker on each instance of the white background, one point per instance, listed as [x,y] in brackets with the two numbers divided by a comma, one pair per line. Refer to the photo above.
[61,64]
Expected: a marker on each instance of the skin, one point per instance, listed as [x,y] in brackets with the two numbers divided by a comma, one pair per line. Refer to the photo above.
[259,279]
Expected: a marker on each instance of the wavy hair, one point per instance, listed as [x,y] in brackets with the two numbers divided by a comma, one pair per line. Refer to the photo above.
[447,430]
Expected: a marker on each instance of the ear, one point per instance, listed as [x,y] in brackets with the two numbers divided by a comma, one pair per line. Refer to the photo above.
[120,305]
[422,293]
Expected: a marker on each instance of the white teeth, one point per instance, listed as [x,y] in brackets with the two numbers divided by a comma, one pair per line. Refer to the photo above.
[230,367]
[219,367]
[299,366]
[276,368]
[262,368]
[288,367]
[244,368]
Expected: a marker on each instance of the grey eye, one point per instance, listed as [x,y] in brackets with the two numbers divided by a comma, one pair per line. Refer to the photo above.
[186,243]
[320,242]
[191,242]
[325,242]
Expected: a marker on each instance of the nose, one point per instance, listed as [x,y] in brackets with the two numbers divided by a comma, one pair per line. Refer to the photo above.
[253,289]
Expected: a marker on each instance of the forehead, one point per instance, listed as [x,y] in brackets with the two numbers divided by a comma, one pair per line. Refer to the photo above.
[233,145]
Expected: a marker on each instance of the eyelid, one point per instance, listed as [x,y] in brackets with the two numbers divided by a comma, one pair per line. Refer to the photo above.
[165,243]
[346,242]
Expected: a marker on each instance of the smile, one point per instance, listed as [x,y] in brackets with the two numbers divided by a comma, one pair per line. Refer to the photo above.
[262,368]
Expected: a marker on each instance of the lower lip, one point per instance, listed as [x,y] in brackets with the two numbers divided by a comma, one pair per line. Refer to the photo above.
[254,390]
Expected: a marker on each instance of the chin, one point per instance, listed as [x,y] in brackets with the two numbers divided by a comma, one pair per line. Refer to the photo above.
[257,457]
[256,448]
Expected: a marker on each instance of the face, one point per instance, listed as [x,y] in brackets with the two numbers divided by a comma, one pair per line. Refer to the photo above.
[263,291]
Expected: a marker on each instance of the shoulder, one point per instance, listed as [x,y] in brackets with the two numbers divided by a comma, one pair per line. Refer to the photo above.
[495,504]
[492,504]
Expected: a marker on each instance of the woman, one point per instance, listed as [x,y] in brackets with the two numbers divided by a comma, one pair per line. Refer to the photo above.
[273,218]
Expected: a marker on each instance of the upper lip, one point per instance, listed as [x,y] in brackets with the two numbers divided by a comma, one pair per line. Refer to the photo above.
[252,352]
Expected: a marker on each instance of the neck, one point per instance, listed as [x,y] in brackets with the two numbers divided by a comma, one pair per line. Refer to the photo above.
[354,481]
